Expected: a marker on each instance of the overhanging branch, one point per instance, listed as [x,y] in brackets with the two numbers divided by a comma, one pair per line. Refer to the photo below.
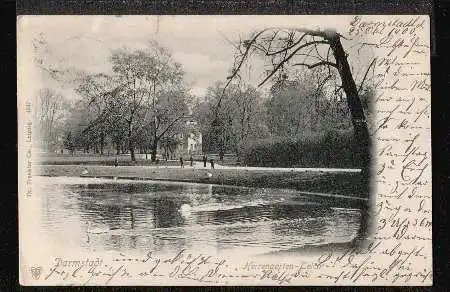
[311,66]
[289,57]
[248,45]
[287,48]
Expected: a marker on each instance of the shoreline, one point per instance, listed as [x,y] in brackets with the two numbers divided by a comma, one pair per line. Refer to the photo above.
[342,186]
[146,179]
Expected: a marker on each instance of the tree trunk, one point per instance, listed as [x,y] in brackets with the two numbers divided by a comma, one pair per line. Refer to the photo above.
[354,103]
[360,128]
[221,153]
[154,148]
[133,157]
[102,143]
[118,148]
[130,142]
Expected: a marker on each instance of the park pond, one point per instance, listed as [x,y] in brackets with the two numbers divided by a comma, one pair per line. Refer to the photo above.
[96,214]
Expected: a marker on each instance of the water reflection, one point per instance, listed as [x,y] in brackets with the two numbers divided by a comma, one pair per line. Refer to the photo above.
[124,215]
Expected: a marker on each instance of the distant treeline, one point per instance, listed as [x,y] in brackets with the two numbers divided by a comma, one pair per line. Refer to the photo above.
[299,123]
[145,105]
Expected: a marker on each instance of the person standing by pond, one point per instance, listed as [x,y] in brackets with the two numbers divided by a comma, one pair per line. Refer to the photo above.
[181,162]
[205,159]
[192,161]
[212,163]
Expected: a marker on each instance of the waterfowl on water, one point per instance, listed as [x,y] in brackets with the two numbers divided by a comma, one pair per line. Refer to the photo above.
[185,210]
[94,230]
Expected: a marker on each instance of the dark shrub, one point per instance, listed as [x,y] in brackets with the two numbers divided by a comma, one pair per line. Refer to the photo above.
[329,149]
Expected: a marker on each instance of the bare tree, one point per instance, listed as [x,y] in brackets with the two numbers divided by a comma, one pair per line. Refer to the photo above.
[48,114]
[302,47]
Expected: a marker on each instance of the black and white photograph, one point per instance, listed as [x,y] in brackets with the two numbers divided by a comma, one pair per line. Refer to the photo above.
[234,136]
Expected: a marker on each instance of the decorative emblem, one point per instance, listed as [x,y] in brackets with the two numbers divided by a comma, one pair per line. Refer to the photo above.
[36,272]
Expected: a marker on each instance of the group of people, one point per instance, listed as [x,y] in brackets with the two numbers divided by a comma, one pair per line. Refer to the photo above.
[205,160]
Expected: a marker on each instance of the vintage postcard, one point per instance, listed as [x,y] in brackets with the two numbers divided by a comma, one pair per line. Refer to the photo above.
[224,150]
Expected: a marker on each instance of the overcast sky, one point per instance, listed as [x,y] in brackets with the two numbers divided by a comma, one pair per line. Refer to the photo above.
[197,42]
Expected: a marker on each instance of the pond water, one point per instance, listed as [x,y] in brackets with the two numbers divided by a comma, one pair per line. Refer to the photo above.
[124,215]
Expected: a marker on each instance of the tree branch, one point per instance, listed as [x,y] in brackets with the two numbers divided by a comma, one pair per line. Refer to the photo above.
[287,48]
[310,66]
[326,34]
[308,56]
[170,126]
[365,75]
[321,84]
[271,41]
[317,51]
[248,45]
[289,57]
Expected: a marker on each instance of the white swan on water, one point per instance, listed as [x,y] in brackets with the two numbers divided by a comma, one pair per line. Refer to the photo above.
[185,210]
[95,230]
